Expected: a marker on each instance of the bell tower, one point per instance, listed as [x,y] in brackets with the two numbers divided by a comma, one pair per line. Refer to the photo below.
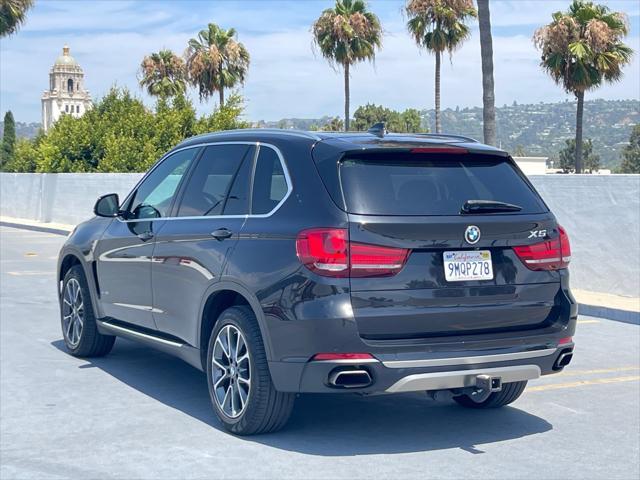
[67,94]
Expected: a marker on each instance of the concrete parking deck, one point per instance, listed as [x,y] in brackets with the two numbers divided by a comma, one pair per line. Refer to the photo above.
[138,413]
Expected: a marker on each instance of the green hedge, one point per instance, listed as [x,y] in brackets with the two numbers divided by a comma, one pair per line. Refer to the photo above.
[119,134]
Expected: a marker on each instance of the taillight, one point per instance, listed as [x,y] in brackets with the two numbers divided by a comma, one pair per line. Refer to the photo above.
[328,252]
[548,255]
[448,149]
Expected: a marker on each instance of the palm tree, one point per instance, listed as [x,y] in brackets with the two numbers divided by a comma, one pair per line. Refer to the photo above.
[438,26]
[346,34]
[486,54]
[13,14]
[581,49]
[215,61]
[163,74]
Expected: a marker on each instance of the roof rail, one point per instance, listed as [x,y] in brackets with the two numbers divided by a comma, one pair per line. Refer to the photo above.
[286,131]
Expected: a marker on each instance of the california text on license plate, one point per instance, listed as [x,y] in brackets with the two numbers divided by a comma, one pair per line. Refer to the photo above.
[468,265]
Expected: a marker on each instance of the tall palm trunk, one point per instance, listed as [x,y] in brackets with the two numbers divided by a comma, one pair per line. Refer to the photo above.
[579,115]
[438,126]
[486,54]
[346,97]
[221,89]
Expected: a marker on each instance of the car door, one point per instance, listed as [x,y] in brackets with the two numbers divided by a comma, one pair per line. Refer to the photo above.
[192,247]
[124,252]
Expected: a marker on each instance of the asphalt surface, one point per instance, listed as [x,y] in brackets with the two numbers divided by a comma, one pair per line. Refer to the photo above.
[138,413]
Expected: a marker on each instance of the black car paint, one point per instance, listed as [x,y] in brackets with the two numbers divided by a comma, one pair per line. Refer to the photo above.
[179,271]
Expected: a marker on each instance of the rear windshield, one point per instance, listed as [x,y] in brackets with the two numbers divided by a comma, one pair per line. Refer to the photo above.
[431,184]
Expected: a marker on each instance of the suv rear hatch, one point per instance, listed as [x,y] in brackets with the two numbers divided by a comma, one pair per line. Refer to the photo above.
[461,274]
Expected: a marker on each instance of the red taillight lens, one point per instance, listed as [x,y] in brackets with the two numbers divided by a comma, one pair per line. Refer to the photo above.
[324,251]
[341,356]
[328,252]
[565,245]
[565,340]
[548,255]
[451,150]
[376,261]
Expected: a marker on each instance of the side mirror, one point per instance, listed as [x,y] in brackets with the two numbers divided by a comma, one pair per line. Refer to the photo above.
[107,205]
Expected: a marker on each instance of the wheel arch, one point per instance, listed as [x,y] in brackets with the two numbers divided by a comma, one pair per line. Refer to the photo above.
[219,297]
[69,259]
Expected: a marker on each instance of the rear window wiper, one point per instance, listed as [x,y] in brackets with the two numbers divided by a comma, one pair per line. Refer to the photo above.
[488,206]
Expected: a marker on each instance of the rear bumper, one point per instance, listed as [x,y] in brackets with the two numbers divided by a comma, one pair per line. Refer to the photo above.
[462,378]
[427,373]
[326,330]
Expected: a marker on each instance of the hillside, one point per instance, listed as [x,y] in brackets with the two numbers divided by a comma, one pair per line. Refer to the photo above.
[26,130]
[539,128]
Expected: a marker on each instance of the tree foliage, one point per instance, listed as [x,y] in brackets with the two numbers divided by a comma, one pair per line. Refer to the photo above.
[439,26]
[13,14]
[582,48]
[347,34]
[334,125]
[215,61]
[367,115]
[120,135]
[631,153]
[8,139]
[163,74]
[590,160]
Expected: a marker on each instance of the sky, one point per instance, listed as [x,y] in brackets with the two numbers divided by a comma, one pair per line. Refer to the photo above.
[287,76]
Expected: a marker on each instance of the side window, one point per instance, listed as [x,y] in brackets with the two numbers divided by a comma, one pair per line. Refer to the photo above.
[269,184]
[154,196]
[238,199]
[207,190]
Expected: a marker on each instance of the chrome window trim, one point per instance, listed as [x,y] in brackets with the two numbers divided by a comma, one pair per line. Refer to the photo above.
[258,146]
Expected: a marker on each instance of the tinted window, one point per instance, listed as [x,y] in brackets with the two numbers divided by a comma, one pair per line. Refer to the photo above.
[153,197]
[269,184]
[208,186]
[238,199]
[412,184]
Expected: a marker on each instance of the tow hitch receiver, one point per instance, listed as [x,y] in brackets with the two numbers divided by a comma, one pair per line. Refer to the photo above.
[488,383]
[485,386]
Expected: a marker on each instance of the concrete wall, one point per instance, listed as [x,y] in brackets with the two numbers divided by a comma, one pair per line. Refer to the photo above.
[601,214]
[61,198]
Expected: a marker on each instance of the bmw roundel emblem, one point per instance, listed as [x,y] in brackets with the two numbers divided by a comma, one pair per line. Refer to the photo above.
[472,234]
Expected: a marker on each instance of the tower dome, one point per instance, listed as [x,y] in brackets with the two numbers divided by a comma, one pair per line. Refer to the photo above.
[66,59]
[66,94]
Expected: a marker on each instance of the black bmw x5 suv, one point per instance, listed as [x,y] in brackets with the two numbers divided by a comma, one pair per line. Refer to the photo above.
[285,262]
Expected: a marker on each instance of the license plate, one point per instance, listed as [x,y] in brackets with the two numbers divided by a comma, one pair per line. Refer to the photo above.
[468,265]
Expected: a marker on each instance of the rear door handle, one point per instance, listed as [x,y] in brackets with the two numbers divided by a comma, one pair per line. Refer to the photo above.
[145,236]
[221,234]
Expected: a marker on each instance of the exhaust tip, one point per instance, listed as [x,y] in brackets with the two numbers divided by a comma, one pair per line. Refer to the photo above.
[349,378]
[563,360]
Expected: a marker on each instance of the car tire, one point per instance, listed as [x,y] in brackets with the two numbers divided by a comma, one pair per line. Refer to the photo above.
[509,393]
[78,321]
[243,409]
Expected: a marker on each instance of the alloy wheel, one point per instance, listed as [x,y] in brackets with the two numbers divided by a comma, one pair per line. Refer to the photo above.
[72,313]
[231,371]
